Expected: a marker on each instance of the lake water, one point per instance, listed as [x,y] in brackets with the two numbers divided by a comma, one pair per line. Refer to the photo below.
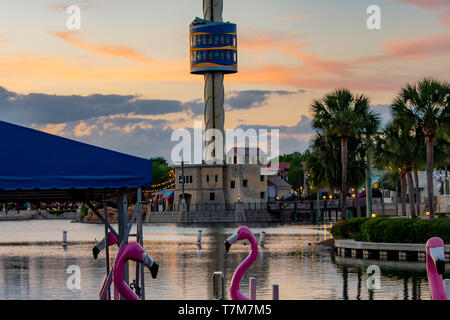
[291,258]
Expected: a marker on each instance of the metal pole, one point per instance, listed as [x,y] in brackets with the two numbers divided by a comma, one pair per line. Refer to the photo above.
[222,293]
[140,238]
[275,292]
[105,211]
[262,237]
[199,237]
[64,242]
[122,206]
[183,200]
[252,288]
[318,206]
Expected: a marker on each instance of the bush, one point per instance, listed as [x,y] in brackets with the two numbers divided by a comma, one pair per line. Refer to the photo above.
[398,230]
[84,211]
[348,229]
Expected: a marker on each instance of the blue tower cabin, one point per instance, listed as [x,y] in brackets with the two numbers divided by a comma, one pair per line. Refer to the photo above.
[213,46]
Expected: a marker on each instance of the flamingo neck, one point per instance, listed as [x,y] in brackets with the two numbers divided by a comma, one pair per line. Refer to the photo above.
[435,281]
[119,281]
[241,269]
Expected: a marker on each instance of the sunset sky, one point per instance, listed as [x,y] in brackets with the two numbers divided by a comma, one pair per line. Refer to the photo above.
[123,81]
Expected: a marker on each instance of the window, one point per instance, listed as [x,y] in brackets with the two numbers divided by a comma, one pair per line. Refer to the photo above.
[235,159]
[262,178]
[232,184]
[245,183]
[204,53]
[263,195]
[199,40]
[216,178]
[199,56]
[228,55]
[217,54]
[235,57]
[216,39]
[222,39]
[227,39]
[207,178]
[212,196]
[222,55]
[190,179]
[234,41]
[204,39]
[210,39]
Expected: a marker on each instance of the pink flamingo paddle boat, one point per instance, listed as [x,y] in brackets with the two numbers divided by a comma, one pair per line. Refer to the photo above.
[131,251]
[241,233]
[112,240]
[435,250]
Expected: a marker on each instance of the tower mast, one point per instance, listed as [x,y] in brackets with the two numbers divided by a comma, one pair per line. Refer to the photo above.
[213,53]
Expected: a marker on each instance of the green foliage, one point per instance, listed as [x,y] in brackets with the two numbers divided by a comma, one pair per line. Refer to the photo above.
[84,211]
[296,172]
[160,170]
[340,119]
[348,229]
[392,230]
[325,166]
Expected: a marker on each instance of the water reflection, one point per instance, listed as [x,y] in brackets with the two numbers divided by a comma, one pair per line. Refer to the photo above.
[290,258]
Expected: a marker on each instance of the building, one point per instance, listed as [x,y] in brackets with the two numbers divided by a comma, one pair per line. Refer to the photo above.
[222,185]
[283,169]
[278,188]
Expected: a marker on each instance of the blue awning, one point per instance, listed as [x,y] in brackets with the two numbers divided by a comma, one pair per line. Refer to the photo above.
[164,193]
[32,159]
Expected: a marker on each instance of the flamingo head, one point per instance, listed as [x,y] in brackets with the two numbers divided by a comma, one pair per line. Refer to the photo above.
[112,240]
[240,234]
[436,251]
[135,252]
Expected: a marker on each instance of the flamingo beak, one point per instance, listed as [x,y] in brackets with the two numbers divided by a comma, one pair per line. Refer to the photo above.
[151,264]
[438,256]
[232,239]
[98,247]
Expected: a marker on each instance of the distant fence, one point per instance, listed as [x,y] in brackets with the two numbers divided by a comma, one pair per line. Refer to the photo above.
[29,214]
[65,215]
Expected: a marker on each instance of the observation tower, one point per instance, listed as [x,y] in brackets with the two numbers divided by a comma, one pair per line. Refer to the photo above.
[213,53]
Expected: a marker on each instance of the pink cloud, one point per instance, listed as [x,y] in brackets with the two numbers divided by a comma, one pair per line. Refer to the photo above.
[415,48]
[442,7]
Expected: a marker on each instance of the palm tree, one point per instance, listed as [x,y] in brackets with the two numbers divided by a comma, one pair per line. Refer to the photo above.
[392,150]
[370,126]
[406,125]
[323,162]
[339,114]
[429,99]
[390,181]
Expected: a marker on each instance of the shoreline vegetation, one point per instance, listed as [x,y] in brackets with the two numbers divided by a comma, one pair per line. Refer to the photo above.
[386,229]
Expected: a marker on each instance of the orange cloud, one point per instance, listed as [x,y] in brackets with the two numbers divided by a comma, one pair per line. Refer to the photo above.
[118,51]
[290,45]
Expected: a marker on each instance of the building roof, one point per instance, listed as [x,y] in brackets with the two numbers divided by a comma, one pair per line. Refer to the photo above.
[282,166]
[34,160]
[278,182]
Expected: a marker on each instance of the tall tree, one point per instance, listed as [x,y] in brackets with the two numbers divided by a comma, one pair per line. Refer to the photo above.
[371,122]
[429,99]
[339,114]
